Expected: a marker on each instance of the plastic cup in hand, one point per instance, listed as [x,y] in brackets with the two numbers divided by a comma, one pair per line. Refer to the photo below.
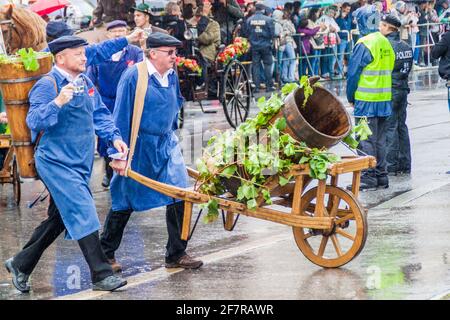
[78,86]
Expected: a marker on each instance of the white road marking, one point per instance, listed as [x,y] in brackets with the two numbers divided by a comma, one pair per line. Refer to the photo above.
[162,273]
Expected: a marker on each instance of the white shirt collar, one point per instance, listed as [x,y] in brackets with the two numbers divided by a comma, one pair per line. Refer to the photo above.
[64,73]
[162,79]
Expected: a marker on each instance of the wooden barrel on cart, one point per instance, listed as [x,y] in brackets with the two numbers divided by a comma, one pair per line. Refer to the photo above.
[15,84]
[322,122]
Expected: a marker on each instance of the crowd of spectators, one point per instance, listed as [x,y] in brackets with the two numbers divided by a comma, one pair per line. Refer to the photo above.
[309,38]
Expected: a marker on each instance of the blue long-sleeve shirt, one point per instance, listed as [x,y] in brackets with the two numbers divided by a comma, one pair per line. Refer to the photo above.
[100,52]
[360,58]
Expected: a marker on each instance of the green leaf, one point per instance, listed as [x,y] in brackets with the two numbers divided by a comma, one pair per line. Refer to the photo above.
[29,59]
[351,141]
[288,88]
[229,171]
[289,149]
[202,168]
[213,210]
[284,181]
[280,124]
[362,129]
[252,204]
[304,159]
[266,196]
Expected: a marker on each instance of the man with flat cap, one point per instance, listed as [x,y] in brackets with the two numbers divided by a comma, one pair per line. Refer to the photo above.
[66,112]
[369,89]
[157,155]
[398,145]
[106,76]
[57,29]
[142,19]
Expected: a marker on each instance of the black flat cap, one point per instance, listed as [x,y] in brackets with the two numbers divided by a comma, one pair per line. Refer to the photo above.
[116,24]
[56,29]
[66,42]
[159,39]
[392,20]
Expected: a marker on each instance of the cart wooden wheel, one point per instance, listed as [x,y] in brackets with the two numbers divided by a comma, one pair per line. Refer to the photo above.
[236,93]
[347,236]
[16,182]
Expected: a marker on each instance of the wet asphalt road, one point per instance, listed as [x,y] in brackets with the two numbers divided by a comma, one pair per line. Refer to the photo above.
[406,256]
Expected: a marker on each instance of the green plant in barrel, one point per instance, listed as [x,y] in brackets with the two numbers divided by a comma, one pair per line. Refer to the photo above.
[27,57]
[235,156]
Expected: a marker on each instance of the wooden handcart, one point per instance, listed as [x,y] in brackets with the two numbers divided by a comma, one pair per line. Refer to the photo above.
[9,173]
[318,216]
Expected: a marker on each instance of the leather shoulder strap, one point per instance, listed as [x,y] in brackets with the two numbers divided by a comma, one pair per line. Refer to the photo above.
[141,90]
[52,79]
[41,133]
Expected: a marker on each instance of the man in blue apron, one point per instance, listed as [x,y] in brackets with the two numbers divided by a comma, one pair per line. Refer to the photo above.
[66,111]
[106,76]
[157,156]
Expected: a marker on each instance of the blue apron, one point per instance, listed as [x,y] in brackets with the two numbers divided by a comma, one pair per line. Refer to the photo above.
[106,77]
[157,153]
[65,154]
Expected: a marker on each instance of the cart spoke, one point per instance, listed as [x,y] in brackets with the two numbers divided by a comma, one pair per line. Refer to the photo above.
[345,234]
[344,219]
[242,105]
[336,244]
[231,86]
[238,78]
[335,206]
[308,235]
[235,112]
[323,245]
[239,109]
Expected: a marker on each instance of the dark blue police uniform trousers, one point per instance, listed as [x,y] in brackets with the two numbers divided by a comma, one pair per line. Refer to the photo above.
[375,146]
[117,220]
[398,145]
[264,55]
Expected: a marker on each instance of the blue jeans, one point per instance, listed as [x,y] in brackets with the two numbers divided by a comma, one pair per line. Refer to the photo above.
[288,64]
[342,49]
[315,62]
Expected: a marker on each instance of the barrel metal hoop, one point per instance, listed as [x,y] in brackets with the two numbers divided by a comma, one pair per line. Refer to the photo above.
[285,114]
[21,80]
[16,102]
[21,143]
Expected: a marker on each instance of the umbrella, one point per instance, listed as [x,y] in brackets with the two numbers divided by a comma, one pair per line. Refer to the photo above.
[42,7]
[318,3]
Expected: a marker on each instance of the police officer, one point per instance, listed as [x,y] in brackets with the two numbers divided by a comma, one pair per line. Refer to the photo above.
[106,76]
[260,30]
[67,121]
[369,89]
[398,145]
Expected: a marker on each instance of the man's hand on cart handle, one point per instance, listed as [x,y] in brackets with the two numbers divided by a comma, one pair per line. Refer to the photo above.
[119,166]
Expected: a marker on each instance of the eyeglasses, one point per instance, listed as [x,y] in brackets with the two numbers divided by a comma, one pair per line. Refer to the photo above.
[169,52]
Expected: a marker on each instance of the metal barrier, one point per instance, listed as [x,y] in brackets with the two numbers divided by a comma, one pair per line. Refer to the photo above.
[429,37]
[308,59]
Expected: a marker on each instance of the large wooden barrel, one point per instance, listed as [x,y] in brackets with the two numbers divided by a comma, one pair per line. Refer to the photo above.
[15,84]
[322,122]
